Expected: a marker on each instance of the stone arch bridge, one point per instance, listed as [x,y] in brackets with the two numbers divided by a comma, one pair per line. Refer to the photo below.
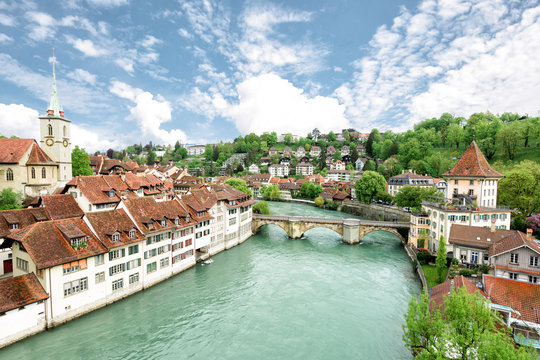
[351,230]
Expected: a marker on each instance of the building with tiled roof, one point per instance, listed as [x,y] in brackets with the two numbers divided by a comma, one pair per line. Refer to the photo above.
[471,199]
[272,151]
[409,178]
[280,170]
[22,308]
[315,151]
[300,152]
[26,168]
[345,150]
[330,150]
[102,165]
[438,293]
[58,206]
[304,169]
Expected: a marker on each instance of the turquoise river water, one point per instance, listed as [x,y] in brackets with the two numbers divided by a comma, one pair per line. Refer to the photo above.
[268,298]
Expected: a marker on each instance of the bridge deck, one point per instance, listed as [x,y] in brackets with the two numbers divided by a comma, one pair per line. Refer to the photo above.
[350,221]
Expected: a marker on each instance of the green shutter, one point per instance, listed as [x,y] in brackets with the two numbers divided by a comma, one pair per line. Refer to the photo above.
[139,262]
[127,265]
[110,271]
[110,256]
[123,252]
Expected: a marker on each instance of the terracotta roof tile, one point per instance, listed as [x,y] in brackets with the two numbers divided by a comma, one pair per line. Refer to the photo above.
[520,296]
[12,150]
[60,206]
[38,156]
[512,241]
[438,293]
[468,235]
[106,223]
[94,188]
[473,164]
[20,291]
[48,244]
[148,213]
[22,217]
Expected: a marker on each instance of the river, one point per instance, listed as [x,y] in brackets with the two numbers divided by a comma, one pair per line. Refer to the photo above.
[268,298]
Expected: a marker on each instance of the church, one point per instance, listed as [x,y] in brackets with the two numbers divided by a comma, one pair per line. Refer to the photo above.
[37,169]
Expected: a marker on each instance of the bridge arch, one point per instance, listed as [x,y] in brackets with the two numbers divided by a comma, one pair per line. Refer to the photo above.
[257,225]
[393,231]
[338,229]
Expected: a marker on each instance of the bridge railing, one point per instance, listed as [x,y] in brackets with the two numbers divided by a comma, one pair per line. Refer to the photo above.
[349,221]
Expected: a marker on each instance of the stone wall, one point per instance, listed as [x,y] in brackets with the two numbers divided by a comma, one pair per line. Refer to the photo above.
[376,212]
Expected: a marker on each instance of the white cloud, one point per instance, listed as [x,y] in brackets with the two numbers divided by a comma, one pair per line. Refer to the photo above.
[108,3]
[87,47]
[4,39]
[150,113]
[93,139]
[42,25]
[184,33]
[82,76]
[19,120]
[149,41]
[270,103]
[126,64]
[7,20]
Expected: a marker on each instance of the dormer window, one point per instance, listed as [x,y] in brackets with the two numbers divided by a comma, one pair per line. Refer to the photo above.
[164,222]
[111,193]
[116,237]
[177,221]
[14,226]
[132,233]
[79,242]
[187,218]
[150,224]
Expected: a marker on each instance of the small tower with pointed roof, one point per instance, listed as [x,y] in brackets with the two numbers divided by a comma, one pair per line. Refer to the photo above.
[473,178]
[55,132]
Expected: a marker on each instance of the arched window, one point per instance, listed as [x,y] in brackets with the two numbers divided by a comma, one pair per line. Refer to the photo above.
[9,175]
[33,173]
[49,127]
[43,173]
[65,131]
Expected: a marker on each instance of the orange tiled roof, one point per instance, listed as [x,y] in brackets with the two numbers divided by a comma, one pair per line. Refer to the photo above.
[473,164]
[106,223]
[94,188]
[19,291]
[12,150]
[468,235]
[22,217]
[38,156]
[439,292]
[512,241]
[60,206]
[520,296]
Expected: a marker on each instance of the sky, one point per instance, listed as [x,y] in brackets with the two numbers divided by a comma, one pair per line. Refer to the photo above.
[202,71]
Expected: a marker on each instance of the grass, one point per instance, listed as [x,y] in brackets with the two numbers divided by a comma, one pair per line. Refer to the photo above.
[430,272]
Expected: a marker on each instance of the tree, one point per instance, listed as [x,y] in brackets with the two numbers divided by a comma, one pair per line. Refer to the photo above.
[440,261]
[374,137]
[465,328]
[239,184]
[10,199]
[319,201]
[80,162]
[455,134]
[520,188]
[151,158]
[110,154]
[509,137]
[411,196]
[288,139]
[322,159]
[369,185]
[354,155]
[331,137]
[271,193]
[261,207]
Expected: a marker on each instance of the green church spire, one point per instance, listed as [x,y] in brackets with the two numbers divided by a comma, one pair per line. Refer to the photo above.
[55,108]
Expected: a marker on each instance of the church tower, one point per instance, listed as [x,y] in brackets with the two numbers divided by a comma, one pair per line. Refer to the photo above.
[55,132]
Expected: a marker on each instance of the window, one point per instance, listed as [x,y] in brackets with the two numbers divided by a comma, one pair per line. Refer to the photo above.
[75,286]
[117,269]
[164,222]
[471,182]
[33,173]
[455,182]
[133,249]
[78,242]
[14,226]
[135,263]
[116,254]
[533,279]
[9,175]
[474,257]
[151,267]
[99,259]
[471,192]
[100,277]
[132,233]
[43,173]
[116,237]
[117,284]
[65,131]
[133,278]
[533,261]
[486,257]
[512,276]
[49,128]
[163,263]
[513,258]
[232,221]
[22,264]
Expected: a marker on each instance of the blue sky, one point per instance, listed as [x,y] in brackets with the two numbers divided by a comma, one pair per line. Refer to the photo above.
[204,71]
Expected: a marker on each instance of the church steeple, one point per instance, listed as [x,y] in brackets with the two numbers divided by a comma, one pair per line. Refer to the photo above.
[55,108]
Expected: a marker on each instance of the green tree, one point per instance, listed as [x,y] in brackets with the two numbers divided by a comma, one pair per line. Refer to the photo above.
[10,199]
[509,136]
[354,155]
[412,196]
[520,188]
[331,137]
[455,134]
[369,185]
[80,162]
[288,139]
[239,184]
[322,160]
[440,261]
[151,158]
[271,193]
[319,201]
[261,207]
[465,328]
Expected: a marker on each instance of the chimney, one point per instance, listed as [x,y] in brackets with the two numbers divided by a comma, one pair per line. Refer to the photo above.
[492,225]
[529,234]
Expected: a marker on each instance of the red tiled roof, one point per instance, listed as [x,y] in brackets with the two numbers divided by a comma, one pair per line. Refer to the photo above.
[12,150]
[520,296]
[38,156]
[22,217]
[106,223]
[473,164]
[20,291]
[467,235]
[439,292]
[512,241]
[47,245]
[145,210]
[60,206]
[93,188]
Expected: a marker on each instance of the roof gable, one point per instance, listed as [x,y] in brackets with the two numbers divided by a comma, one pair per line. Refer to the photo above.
[12,150]
[473,164]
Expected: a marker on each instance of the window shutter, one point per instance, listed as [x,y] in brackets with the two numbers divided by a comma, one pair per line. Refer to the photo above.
[146,254]
[123,252]
[110,256]
[467,218]
[110,271]
[139,262]
[148,241]
[127,265]
[169,247]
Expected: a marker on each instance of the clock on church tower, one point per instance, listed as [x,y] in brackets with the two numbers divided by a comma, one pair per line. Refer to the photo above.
[55,132]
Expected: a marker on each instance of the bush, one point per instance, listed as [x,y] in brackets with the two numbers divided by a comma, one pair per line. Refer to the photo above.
[424,257]
[261,207]
[319,201]
[455,261]
[483,268]
[464,272]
